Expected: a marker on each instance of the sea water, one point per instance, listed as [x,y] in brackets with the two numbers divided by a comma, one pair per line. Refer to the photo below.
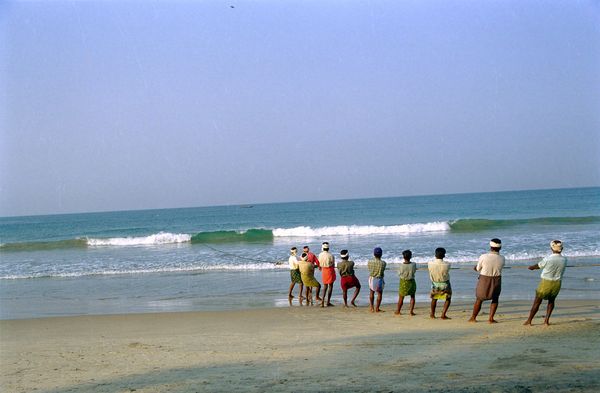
[228,257]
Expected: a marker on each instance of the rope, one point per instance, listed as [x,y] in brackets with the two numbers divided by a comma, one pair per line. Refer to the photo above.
[421,268]
[239,256]
[513,267]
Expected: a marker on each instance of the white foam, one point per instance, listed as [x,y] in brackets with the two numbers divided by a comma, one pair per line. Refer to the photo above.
[167,269]
[361,230]
[157,238]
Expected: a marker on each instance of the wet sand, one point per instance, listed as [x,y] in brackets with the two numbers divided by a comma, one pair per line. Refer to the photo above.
[306,349]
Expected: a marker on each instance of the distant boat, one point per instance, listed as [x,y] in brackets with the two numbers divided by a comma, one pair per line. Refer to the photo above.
[247,206]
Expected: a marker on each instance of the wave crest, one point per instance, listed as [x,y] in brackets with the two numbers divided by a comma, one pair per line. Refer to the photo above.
[361,230]
[157,238]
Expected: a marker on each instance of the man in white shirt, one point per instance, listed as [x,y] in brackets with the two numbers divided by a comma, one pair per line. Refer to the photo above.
[327,266]
[489,284]
[439,273]
[553,268]
[294,274]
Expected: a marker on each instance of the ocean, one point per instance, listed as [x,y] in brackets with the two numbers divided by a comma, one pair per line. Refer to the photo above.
[235,257]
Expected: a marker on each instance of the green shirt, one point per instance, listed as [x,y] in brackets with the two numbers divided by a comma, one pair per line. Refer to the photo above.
[376,267]
[346,268]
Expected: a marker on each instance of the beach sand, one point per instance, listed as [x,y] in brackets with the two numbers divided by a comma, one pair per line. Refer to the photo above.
[306,349]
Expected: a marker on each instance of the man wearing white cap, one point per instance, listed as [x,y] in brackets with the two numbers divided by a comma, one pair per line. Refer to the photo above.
[348,279]
[553,268]
[489,284]
[327,263]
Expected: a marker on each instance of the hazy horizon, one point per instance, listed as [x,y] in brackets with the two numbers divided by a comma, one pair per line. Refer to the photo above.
[296,201]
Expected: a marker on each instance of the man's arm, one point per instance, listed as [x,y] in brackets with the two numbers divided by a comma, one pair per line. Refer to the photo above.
[533,267]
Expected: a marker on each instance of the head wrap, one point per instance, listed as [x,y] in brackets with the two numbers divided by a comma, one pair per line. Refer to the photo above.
[556,245]
[325,246]
[378,252]
[344,254]
[496,244]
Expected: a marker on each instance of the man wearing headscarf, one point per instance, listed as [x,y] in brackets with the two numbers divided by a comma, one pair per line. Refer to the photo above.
[348,279]
[327,263]
[489,284]
[553,268]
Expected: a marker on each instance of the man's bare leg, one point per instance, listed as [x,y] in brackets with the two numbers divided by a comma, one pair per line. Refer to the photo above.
[356,292]
[319,293]
[329,295]
[549,310]
[493,308]
[292,284]
[534,309]
[445,310]
[412,305]
[345,297]
[371,300]
[432,312]
[476,309]
[399,306]
[379,296]
[301,290]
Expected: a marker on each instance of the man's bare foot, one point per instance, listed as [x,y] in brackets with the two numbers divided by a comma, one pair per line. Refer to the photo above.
[546,323]
[431,316]
[412,314]
[318,299]
[345,306]
[445,317]
[527,323]
[354,304]
[379,310]
[329,304]
[371,309]
[291,296]
[472,319]
[397,313]
[492,321]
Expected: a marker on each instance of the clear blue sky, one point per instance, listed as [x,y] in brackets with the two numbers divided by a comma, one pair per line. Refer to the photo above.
[110,105]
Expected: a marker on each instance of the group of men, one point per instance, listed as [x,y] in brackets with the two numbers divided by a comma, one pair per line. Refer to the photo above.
[489,285]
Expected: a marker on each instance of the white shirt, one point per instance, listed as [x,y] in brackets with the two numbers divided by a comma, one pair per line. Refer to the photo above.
[439,270]
[553,267]
[293,261]
[490,264]
[407,271]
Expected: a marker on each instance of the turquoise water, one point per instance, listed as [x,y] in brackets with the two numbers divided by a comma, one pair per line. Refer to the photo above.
[231,256]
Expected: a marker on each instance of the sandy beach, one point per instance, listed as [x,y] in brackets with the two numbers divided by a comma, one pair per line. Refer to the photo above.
[305,349]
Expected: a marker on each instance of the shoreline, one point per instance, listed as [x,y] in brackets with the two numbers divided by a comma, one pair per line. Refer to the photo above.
[306,349]
[216,291]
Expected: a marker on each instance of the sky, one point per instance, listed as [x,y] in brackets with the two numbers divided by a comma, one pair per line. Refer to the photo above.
[119,105]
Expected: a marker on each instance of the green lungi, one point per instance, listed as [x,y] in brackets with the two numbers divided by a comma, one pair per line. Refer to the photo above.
[407,287]
[548,290]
